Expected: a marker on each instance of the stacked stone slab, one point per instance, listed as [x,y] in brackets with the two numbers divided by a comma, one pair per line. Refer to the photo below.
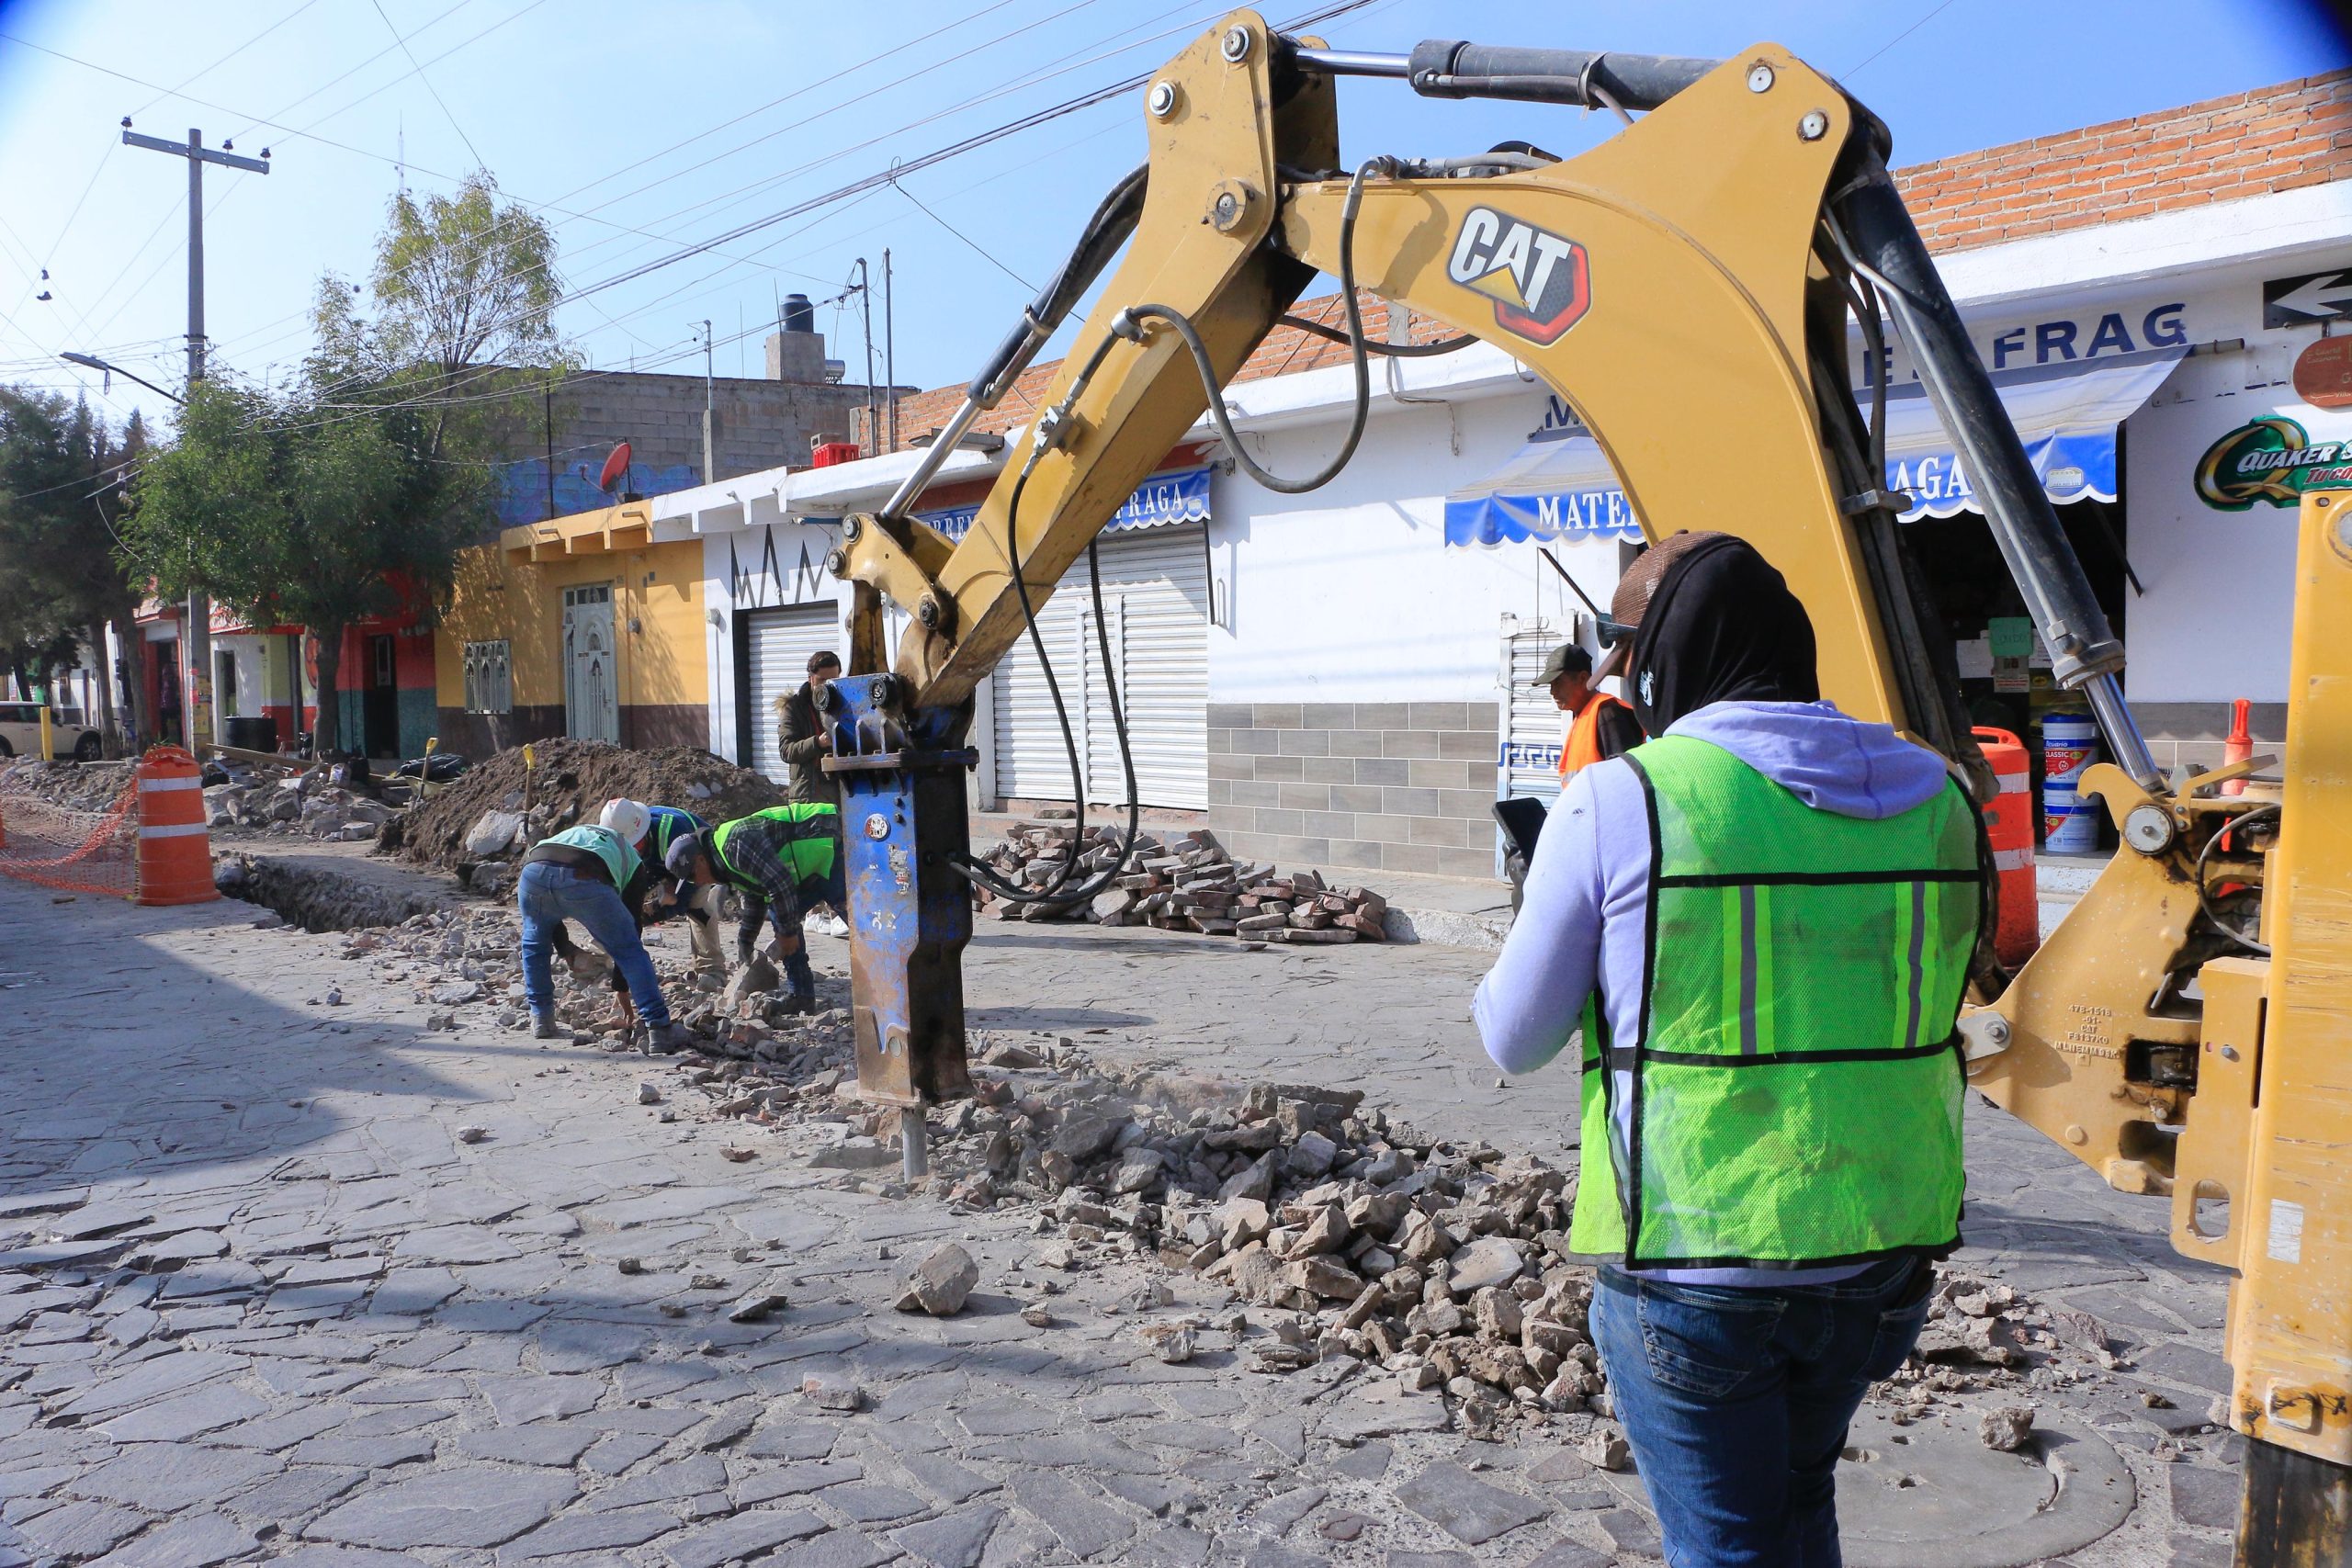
[1184,882]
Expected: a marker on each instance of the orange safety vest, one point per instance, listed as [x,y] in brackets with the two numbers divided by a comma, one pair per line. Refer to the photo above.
[1583,748]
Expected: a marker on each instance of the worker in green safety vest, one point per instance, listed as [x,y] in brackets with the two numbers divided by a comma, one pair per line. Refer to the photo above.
[782,860]
[1761,922]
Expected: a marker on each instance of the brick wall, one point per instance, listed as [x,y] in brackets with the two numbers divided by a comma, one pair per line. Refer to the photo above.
[1380,786]
[2252,143]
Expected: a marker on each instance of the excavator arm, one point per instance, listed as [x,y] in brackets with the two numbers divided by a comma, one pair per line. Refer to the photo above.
[1687,287]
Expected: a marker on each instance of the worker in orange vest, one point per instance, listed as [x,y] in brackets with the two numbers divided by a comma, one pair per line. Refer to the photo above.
[1600,726]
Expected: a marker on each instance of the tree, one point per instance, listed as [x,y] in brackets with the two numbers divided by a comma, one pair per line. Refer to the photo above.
[60,497]
[465,290]
[291,507]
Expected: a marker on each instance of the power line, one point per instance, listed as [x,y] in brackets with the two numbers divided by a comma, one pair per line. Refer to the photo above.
[1898,38]
[428,82]
[330,81]
[985,253]
[224,60]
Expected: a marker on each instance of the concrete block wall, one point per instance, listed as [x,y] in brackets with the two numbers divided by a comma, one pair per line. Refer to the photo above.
[761,423]
[1372,786]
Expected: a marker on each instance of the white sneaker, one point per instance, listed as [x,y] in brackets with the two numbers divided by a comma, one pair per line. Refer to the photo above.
[831,925]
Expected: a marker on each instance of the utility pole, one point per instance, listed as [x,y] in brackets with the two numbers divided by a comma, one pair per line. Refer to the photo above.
[709,427]
[196,665]
[889,353]
[866,304]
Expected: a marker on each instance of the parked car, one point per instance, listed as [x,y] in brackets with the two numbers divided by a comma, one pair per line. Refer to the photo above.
[69,736]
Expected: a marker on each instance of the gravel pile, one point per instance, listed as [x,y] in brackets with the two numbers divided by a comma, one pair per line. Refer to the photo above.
[306,802]
[75,786]
[1186,883]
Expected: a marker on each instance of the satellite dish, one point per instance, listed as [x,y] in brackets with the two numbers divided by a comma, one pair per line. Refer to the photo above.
[615,469]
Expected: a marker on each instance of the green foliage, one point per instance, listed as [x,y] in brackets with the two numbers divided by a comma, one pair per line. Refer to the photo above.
[58,574]
[289,510]
[464,289]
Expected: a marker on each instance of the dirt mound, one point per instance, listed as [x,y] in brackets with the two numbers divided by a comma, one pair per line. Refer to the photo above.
[571,782]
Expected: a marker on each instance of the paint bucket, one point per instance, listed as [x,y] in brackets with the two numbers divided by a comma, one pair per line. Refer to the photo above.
[2069,745]
[2069,823]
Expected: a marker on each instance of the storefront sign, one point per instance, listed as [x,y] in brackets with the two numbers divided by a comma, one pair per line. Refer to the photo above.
[2271,459]
[2324,374]
[1182,497]
[2308,296]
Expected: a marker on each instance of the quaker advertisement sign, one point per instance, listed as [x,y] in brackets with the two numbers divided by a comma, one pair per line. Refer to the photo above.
[2269,461]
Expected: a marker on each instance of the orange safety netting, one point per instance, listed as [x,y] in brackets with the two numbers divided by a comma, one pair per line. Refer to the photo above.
[82,851]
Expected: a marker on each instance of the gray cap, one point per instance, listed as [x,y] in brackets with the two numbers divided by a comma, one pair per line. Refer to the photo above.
[1568,658]
[684,850]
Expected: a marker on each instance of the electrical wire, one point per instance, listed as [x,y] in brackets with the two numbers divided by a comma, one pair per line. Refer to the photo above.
[1386,350]
[2204,898]
[1207,367]
[428,81]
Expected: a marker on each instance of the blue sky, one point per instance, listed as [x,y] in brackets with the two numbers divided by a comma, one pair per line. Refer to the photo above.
[639,129]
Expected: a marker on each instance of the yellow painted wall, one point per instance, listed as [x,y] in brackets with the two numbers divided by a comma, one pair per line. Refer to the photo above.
[657,614]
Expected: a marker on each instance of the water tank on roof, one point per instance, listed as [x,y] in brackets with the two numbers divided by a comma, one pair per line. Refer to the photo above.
[799,316]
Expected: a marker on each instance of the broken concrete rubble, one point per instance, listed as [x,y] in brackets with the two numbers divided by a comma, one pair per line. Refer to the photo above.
[1185,882]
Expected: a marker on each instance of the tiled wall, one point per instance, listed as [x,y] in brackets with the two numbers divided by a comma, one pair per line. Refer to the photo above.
[2190,734]
[1378,786]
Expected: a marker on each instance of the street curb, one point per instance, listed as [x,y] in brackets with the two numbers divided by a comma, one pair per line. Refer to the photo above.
[1447,927]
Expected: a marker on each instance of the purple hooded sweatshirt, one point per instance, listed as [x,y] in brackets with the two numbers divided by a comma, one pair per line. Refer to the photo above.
[1585,909]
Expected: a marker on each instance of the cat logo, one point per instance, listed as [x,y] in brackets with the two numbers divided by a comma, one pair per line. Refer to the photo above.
[1539,283]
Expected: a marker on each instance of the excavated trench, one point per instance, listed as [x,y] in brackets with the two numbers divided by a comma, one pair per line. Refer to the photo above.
[325,892]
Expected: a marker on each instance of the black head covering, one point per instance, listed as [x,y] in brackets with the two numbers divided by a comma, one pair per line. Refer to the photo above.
[1721,627]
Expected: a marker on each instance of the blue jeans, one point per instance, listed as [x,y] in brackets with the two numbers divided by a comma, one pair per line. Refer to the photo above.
[1736,1400]
[549,895]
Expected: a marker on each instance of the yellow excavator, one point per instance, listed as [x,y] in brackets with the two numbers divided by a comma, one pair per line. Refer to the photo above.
[2187,1031]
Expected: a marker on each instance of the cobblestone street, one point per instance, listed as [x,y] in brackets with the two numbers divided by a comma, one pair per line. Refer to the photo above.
[312,1283]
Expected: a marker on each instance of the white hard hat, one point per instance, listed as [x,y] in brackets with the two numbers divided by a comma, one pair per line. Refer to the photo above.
[627,817]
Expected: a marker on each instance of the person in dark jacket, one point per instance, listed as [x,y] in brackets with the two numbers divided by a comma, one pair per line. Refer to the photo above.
[805,742]
[801,734]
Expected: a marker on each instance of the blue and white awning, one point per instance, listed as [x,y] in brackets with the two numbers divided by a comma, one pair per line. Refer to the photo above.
[1560,486]
[1163,499]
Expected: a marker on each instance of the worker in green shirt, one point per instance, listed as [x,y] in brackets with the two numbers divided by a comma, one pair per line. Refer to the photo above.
[782,860]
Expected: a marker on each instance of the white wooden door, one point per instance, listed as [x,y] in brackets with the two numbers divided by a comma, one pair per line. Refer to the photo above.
[592,709]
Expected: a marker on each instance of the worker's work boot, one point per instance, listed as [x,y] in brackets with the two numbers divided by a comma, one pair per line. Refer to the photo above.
[802,1002]
[665,1040]
[544,1027]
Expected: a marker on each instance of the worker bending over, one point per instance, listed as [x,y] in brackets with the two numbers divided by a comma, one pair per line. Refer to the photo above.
[1762,919]
[578,875]
[783,860]
[666,824]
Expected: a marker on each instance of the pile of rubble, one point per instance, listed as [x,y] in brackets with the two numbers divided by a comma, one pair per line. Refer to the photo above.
[73,786]
[480,825]
[1446,1267]
[304,801]
[1186,883]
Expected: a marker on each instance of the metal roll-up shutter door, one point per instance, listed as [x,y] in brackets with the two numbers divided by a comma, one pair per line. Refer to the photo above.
[782,641]
[1155,591]
[1533,726]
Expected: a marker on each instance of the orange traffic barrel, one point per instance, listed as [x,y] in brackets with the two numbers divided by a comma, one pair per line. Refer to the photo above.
[175,849]
[2009,827]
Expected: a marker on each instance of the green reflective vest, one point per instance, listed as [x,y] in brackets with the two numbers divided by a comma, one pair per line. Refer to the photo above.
[814,829]
[1794,1097]
[619,858]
